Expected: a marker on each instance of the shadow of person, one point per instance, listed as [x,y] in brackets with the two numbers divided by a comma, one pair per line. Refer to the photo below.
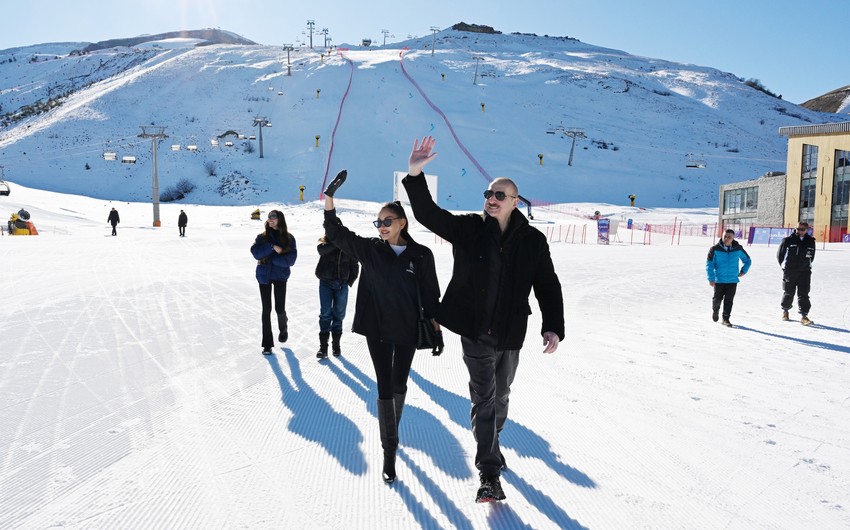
[418,429]
[514,435]
[313,418]
[799,340]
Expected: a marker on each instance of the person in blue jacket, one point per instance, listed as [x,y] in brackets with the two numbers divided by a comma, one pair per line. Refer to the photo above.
[275,252]
[723,273]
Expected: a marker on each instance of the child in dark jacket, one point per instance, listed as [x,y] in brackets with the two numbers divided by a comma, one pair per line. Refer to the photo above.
[275,252]
[336,271]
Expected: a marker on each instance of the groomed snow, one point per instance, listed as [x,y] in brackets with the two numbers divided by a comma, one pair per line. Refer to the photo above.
[133,394]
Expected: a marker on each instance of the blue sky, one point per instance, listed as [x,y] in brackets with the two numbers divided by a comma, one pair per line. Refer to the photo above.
[794,52]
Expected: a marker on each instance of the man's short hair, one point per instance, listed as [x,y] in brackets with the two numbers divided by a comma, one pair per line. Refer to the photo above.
[508,181]
[730,231]
[803,223]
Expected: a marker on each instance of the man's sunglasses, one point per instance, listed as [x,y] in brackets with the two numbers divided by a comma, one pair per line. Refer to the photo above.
[500,195]
[386,221]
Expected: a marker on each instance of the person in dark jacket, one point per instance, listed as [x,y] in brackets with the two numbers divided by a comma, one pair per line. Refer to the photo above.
[275,252]
[336,272]
[396,272]
[796,254]
[113,219]
[721,266]
[182,221]
[498,259]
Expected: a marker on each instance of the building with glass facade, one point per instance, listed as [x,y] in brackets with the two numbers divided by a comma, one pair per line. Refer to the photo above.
[759,202]
[817,186]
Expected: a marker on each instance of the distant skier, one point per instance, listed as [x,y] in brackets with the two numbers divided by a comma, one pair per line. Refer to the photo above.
[113,219]
[632,198]
[796,254]
[723,273]
[182,219]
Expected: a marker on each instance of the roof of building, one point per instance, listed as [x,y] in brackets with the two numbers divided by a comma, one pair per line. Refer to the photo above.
[809,130]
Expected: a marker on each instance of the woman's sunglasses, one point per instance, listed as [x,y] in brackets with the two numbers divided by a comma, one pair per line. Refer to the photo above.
[500,195]
[386,221]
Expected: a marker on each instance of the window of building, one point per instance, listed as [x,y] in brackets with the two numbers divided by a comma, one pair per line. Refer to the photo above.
[840,196]
[741,200]
[808,183]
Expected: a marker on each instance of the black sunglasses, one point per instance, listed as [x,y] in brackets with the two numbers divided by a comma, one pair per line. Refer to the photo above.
[500,195]
[386,221]
[272,216]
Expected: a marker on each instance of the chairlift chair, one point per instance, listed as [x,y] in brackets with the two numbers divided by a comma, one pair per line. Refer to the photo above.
[110,155]
[4,188]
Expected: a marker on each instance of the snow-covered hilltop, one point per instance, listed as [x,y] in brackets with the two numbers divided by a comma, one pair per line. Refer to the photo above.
[495,103]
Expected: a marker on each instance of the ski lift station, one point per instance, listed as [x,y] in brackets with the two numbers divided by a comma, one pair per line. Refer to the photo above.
[692,162]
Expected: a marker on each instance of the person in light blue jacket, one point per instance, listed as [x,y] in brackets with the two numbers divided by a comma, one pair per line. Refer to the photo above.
[275,252]
[723,272]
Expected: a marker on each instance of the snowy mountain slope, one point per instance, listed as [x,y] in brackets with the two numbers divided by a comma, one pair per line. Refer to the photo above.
[643,118]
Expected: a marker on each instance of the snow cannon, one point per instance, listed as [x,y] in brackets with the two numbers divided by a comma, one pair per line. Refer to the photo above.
[255,215]
[20,225]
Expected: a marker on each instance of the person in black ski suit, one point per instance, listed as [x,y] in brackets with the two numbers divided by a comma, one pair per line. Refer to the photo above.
[395,268]
[113,219]
[795,255]
[336,272]
[498,259]
[275,252]
[182,220]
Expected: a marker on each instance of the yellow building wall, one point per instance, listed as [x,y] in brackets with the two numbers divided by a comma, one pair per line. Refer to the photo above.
[827,145]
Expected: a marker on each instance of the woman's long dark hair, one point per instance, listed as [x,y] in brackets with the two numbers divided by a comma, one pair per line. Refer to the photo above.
[282,235]
[398,210]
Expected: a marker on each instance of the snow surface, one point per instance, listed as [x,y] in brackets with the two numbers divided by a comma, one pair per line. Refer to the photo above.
[133,394]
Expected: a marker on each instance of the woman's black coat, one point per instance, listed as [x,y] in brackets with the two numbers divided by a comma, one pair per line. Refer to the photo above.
[386,307]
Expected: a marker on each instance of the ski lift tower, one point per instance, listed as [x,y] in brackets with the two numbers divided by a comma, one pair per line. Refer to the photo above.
[573,133]
[154,132]
[310,25]
[385,33]
[478,59]
[288,48]
[434,30]
[261,122]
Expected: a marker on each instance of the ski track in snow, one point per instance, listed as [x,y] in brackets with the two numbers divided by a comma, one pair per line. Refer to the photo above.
[134,394]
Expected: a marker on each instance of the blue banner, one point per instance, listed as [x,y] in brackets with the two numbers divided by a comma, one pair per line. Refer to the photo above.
[602,227]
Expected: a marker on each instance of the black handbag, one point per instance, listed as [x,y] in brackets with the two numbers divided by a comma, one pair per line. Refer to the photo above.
[426,335]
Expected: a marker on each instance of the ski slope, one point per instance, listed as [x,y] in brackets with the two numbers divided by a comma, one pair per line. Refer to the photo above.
[133,393]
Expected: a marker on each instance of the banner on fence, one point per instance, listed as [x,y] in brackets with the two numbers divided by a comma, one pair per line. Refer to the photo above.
[602,227]
[766,235]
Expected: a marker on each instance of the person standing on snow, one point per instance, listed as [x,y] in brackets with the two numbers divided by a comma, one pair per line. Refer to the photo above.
[113,219]
[796,254]
[721,266]
[336,272]
[275,252]
[182,220]
[498,259]
[397,273]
